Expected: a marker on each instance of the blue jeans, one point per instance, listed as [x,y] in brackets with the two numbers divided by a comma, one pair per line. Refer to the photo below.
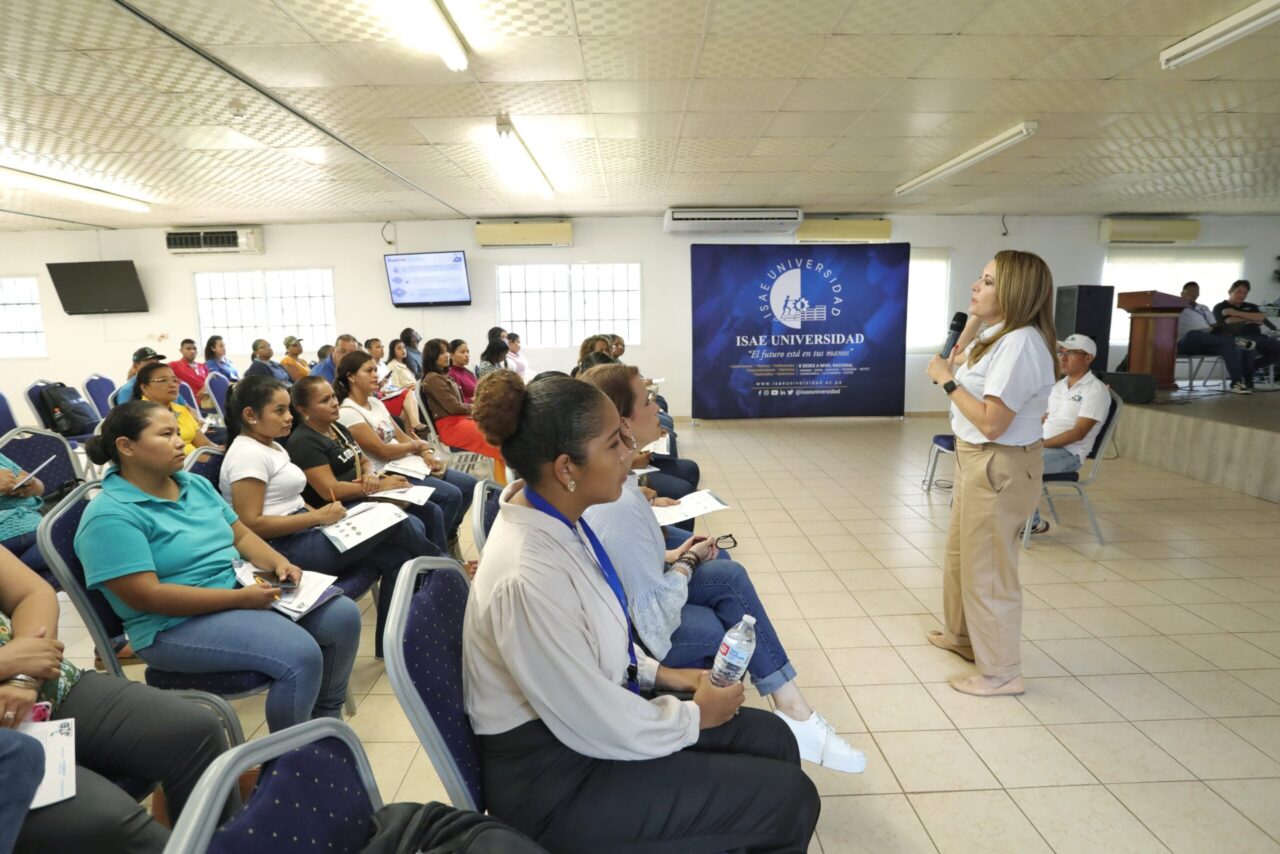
[1202,342]
[1057,461]
[386,551]
[674,479]
[22,764]
[453,494]
[720,594]
[309,661]
[24,549]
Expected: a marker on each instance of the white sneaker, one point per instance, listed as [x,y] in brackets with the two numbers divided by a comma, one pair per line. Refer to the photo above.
[820,745]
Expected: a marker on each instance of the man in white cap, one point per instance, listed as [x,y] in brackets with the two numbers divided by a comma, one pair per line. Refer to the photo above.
[1078,406]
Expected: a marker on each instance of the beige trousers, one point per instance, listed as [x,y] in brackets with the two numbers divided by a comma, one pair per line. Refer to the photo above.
[995,489]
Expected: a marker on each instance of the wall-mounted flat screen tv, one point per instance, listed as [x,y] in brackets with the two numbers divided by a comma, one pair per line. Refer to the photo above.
[98,287]
[428,279]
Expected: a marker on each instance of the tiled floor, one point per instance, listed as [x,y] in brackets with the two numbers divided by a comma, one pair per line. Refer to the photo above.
[1152,716]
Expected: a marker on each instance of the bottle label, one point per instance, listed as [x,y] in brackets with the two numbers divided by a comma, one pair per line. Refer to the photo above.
[724,648]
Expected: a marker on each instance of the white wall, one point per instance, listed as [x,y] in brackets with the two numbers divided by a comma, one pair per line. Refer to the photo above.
[82,345]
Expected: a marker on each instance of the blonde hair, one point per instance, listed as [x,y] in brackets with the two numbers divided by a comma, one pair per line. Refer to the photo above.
[1024,292]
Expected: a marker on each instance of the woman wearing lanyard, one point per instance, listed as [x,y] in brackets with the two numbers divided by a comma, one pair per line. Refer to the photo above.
[571,753]
[999,390]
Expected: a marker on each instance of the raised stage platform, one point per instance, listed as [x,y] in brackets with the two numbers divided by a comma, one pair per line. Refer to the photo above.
[1229,440]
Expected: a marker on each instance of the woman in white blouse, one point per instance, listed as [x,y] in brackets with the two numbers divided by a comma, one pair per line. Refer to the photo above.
[999,390]
[571,752]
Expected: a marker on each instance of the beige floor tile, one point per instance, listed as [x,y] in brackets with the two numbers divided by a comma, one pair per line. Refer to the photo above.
[1234,618]
[877,603]
[796,634]
[1107,622]
[1036,663]
[1087,657]
[859,559]
[1085,820]
[1270,641]
[1238,590]
[1229,652]
[1257,799]
[1066,595]
[905,558]
[886,708]
[1262,733]
[766,581]
[390,762]
[1263,681]
[1141,697]
[872,824]
[421,784]
[379,717]
[1128,592]
[1179,592]
[1210,750]
[797,562]
[931,664]
[1050,625]
[1027,756]
[1220,694]
[1190,818]
[877,779]
[812,582]
[969,712]
[870,666]
[915,577]
[1065,700]
[934,761]
[838,632]
[835,704]
[977,823]
[794,544]
[1172,619]
[816,606]
[907,629]
[856,580]
[812,668]
[1119,753]
[1158,654]
[883,542]
[781,606]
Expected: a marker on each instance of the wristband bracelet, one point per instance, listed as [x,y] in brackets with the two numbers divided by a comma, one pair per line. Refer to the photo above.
[23,681]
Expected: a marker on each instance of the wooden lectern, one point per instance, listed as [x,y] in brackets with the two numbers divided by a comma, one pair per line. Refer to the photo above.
[1153,333]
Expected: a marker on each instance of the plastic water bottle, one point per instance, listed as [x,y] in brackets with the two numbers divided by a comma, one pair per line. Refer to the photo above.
[735,653]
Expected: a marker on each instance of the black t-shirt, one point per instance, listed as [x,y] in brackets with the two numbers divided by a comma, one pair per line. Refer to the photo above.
[309,449]
[1244,306]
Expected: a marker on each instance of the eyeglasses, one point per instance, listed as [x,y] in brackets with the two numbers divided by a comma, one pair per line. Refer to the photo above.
[166,380]
[650,396]
[726,541]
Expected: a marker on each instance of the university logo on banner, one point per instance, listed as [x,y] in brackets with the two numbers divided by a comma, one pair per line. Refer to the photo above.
[786,331]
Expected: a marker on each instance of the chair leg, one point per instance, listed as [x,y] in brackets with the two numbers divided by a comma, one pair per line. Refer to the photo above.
[1026,532]
[349,704]
[931,466]
[1093,520]
[1053,510]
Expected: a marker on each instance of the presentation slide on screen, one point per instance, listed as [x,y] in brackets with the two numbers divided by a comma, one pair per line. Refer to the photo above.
[428,277]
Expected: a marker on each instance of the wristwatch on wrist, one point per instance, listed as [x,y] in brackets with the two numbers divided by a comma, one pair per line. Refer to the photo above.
[949,386]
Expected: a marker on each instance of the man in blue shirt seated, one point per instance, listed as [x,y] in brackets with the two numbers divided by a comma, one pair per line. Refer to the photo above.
[328,366]
[263,365]
[142,356]
[1196,337]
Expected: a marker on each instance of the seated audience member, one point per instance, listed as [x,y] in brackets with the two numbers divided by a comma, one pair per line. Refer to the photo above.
[494,358]
[515,357]
[400,399]
[496,332]
[450,413]
[158,384]
[1078,407]
[591,344]
[193,373]
[123,729]
[398,369]
[617,347]
[570,752]
[683,600]
[459,358]
[296,367]
[263,485]
[142,357]
[20,514]
[328,364]
[1237,317]
[382,441]
[264,366]
[159,543]
[1197,338]
[216,361]
[322,354]
[412,356]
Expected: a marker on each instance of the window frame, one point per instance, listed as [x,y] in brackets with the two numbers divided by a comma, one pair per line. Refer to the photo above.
[264,328]
[42,333]
[931,254]
[575,300]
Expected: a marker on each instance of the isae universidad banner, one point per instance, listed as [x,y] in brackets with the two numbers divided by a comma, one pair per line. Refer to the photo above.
[783,331]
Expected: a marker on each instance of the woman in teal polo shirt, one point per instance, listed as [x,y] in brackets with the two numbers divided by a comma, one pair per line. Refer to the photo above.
[159,542]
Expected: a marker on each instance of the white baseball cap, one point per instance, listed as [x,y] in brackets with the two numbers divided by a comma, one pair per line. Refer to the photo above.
[1079,342]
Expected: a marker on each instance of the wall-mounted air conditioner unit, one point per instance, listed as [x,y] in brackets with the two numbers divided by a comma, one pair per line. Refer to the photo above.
[839,230]
[1148,231]
[732,220]
[243,239]
[530,232]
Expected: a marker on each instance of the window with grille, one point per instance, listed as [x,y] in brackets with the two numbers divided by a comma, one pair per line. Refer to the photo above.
[21,323]
[557,305]
[928,299]
[248,304]
[1168,268]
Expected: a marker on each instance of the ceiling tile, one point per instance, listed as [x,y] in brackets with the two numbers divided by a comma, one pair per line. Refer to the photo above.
[899,124]
[300,66]
[637,96]
[1174,18]
[206,136]
[837,95]
[528,59]
[538,98]
[334,21]
[390,64]
[809,124]
[349,103]
[227,22]
[1094,58]
[639,59]
[754,17]
[514,18]
[68,73]
[167,69]
[1039,17]
[756,57]
[80,24]
[934,96]
[466,99]
[717,125]
[637,125]
[791,147]
[629,18]
[738,95]
[873,56]
[987,57]
[875,17]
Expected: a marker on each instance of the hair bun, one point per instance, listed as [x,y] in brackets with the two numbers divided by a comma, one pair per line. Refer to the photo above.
[499,399]
[96,450]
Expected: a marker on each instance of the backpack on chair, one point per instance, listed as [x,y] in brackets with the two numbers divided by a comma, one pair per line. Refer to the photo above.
[435,828]
[66,411]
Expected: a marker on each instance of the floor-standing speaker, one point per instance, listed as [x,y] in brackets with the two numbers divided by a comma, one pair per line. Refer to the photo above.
[1086,309]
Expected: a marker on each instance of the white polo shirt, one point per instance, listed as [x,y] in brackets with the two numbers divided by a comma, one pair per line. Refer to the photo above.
[1088,398]
[1019,371]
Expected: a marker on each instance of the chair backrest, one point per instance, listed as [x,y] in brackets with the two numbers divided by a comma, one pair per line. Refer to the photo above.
[56,539]
[1099,448]
[486,513]
[98,389]
[7,421]
[188,396]
[430,423]
[29,447]
[316,792]
[218,386]
[33,401]
[206,462]
[423,644]
[113,399]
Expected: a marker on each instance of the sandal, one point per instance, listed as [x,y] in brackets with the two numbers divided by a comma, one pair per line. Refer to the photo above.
[979,686]
[939,640]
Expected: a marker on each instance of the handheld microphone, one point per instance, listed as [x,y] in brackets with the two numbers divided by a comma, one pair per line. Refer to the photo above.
[957,326]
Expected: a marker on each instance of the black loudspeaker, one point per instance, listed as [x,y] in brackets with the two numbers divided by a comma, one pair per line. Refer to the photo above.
[1086,309]
[1132,388]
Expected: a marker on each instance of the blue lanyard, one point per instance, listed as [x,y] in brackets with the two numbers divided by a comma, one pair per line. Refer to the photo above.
[606,569]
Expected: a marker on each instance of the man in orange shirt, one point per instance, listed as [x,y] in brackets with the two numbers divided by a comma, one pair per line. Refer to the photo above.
[296,367]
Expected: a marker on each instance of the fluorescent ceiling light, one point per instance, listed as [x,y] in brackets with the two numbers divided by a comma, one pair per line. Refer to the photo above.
[519,162]
[67,190]
[421,25]
[977,154]
[1261,14]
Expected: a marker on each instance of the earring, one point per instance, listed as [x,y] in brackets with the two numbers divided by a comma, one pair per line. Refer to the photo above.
[572,485]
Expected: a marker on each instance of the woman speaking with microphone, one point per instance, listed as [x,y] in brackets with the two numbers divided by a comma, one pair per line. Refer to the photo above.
[999,390]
